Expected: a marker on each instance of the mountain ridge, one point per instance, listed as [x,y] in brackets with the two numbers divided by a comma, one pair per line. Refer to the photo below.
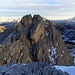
[36,40]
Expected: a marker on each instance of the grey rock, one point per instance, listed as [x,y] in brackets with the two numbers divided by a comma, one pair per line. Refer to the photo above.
[2,69]
[34,68]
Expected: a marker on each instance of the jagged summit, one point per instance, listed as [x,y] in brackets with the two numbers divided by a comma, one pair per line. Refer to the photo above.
[35,40]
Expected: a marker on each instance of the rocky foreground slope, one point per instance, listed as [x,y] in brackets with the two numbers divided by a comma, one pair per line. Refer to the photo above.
[30,69]
[36,40]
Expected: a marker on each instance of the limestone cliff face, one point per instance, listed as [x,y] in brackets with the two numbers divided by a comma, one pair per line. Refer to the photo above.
[39,41]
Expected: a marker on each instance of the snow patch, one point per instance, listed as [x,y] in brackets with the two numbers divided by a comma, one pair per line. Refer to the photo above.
[69,69]
[61,55]
[72,53]
[46,33]
[4,58]
[57,44]
[65,39]
[47,25]
[49,50]
[62,51]
[23,64]
[72,41]
[14,65]
[52,55]
[53,60]
[53,52]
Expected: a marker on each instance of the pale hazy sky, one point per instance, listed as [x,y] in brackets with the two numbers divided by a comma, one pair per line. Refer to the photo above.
[51,9]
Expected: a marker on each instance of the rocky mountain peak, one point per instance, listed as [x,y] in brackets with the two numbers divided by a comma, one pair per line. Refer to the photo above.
[26,20]
[36,18]
[38,41]
[72,19]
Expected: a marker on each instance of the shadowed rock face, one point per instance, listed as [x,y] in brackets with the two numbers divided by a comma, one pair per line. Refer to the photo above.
[39,41]
[33,68]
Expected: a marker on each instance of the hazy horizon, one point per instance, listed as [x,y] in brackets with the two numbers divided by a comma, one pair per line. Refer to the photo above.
[50,18]
[53,9]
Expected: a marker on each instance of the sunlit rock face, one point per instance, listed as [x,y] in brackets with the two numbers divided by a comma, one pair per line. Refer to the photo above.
[39,41]
[2,28]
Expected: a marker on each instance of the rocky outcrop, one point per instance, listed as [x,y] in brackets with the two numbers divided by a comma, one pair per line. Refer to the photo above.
[30,69]
[2,28]
[39,41]
[26,20]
